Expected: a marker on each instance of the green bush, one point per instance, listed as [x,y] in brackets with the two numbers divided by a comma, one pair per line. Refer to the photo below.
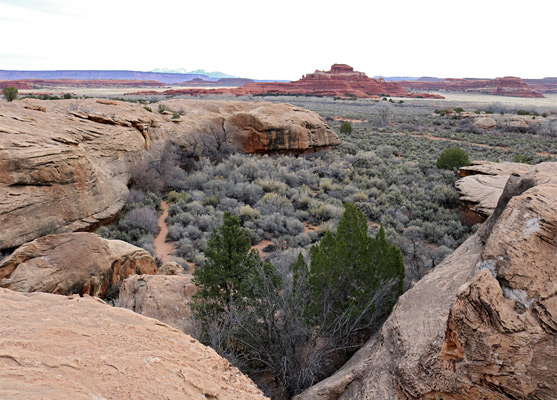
[453,158]
[346,127]
[10,93]
[148,108]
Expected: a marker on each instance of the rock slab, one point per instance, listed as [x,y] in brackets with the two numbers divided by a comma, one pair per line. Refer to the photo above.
[163,297]
[482,183]
[56,348]
[74,263]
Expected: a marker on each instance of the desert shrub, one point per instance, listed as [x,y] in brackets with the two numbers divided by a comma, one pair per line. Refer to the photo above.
[275,203]
[147,108]
[453,158]
[10,93]
[142,218]
[248,213]
[346,127]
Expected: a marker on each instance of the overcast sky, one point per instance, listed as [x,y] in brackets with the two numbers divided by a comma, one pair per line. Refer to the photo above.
[284,39]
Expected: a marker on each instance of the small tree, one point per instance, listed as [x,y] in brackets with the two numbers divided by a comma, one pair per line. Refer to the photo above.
[346,127]
[222,280]
[452,159]
[10,93]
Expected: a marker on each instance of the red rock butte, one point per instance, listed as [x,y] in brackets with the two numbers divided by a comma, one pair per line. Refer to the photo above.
[341,81]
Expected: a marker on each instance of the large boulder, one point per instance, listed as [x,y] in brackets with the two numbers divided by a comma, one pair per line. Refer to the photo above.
[74,263]
[163,297]
[482,183]
[482,324]
[57,347]
[65,165]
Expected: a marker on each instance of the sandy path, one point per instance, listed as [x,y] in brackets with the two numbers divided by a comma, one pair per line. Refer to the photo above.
[164,250]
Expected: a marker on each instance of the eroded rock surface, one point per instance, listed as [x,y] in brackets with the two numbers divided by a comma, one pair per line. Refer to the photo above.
[65,165]
[481,325]
[482,183]
[74,263]
[57,347]
[164,297]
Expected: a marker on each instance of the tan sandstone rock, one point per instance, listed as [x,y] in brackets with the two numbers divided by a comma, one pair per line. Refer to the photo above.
[58,348]
[74,263]
[485,122]
[171,268]
[483,183]
[65,165]
[482,324]
[163,297]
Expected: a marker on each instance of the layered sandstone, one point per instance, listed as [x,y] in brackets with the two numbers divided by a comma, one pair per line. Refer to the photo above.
[483,182]
[482,324]
[65,165]
[57,347]
[506,86]
[74,263]
[166,298]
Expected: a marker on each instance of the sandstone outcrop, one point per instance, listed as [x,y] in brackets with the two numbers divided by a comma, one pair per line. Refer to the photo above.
[74,263]
[57,347]
[507,86]
[163,297]
[485,122]
[482,184]
[171,268]
[482,324]
[65,165]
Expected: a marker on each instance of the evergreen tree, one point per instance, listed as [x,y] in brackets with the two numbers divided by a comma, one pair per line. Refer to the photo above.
[453,158]
[346,270]
[346,127]
[222,280]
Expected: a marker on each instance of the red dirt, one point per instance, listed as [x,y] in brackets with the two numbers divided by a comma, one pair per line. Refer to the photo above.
[163,249]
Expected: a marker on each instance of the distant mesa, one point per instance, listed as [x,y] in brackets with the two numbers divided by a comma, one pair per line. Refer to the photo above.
[223,82]
[507,86]
[340,82]
[90,83]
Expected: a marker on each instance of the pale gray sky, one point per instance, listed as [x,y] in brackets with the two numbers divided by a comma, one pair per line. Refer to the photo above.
[284,39]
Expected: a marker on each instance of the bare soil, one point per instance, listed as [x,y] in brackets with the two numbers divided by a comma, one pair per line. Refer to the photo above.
[163,249]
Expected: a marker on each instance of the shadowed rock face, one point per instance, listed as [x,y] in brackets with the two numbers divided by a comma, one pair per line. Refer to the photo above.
[65,165]
[58,347]
[74,263]
[481,325]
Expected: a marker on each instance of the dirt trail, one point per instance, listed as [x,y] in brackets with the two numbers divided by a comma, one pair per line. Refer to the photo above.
[164,250]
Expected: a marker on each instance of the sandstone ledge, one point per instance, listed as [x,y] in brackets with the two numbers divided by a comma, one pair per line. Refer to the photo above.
[57,347]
